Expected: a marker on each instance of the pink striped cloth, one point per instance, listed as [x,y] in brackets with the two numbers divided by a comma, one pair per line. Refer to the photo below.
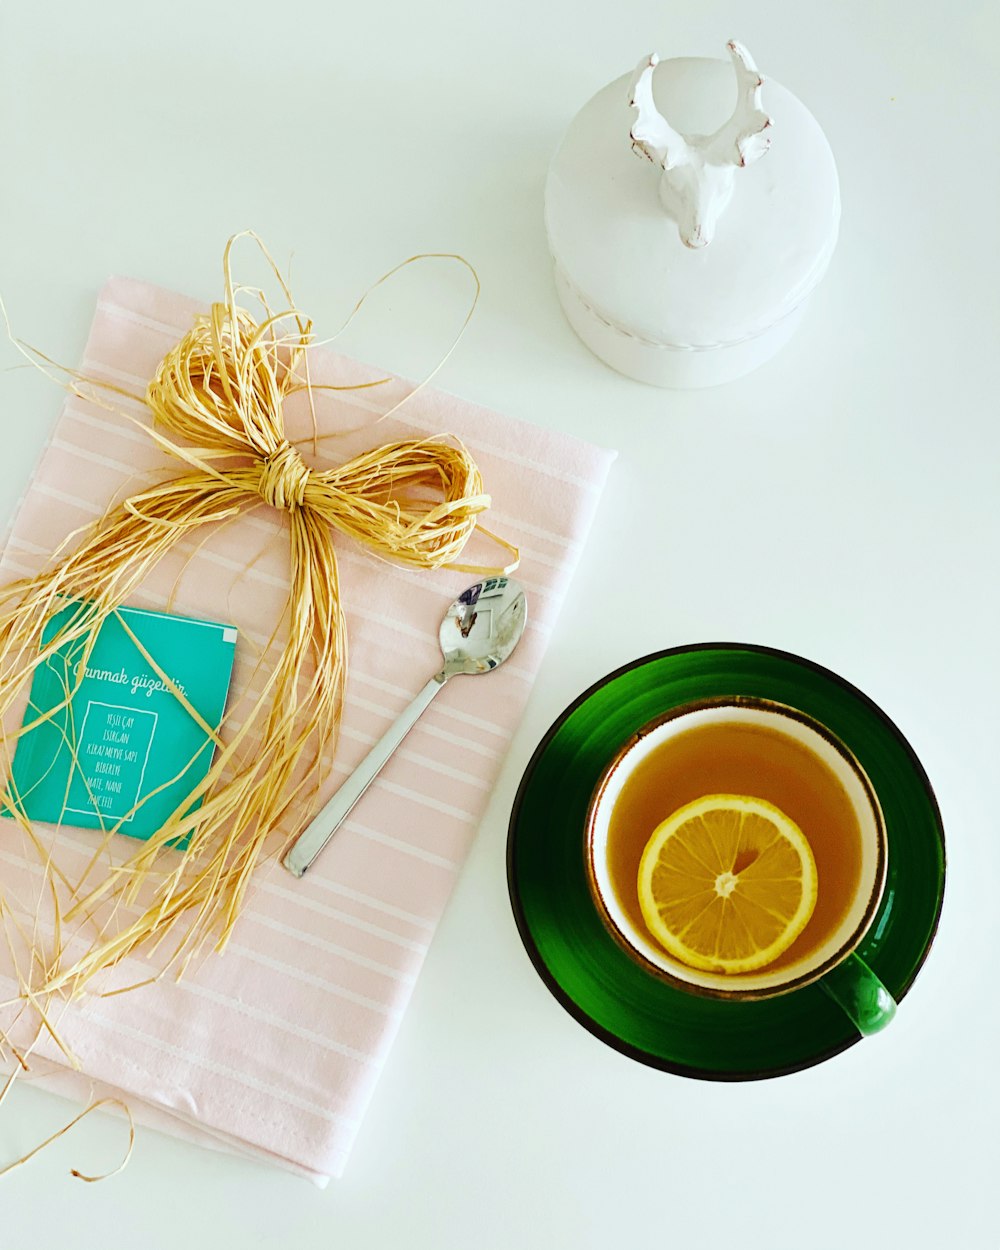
[274,1048]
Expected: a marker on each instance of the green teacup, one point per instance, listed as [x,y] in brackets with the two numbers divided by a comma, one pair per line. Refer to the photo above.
[767,751]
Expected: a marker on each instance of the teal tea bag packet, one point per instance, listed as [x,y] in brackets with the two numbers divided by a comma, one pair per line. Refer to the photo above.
[124,751]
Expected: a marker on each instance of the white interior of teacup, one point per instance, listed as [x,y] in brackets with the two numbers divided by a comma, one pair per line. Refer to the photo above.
[826,747]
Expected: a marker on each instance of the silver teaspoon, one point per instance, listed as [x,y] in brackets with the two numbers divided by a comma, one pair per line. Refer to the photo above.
[479,631]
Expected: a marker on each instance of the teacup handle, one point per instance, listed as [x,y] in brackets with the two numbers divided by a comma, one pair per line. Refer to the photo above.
[857,991]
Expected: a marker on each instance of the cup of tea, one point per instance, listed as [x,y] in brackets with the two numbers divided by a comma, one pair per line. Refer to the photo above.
[736,848]
[726,861]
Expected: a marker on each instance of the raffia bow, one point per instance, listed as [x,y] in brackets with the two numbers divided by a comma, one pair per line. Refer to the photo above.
[217,402]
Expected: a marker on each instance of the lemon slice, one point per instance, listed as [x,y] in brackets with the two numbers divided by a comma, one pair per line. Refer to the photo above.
[727,883]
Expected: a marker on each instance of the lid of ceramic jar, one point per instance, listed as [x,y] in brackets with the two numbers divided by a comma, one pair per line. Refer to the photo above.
[615,217]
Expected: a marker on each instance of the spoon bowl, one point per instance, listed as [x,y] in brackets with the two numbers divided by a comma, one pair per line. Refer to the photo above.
[483,626]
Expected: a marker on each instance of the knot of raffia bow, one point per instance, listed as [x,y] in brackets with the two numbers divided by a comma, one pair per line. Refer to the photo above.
[216,400]
[284,477]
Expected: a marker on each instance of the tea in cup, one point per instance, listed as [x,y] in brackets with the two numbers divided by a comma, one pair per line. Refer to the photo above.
[736,848]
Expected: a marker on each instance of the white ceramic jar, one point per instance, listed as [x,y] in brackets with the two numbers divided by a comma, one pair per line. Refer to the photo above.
[686,245]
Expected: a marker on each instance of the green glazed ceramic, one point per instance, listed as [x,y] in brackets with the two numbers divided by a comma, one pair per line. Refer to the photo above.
[589,972]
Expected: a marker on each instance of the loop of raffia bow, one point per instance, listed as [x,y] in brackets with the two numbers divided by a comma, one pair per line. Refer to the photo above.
[217,402]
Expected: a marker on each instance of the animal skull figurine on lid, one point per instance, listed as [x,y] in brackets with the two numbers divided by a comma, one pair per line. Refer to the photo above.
[699,170]
[698,270]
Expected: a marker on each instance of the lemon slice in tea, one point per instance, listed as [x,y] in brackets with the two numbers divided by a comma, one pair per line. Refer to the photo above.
[727,883]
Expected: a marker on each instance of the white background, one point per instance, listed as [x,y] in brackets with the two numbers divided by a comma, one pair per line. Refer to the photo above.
[842,503]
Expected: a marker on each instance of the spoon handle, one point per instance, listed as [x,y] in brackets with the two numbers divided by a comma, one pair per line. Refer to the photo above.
[315,836]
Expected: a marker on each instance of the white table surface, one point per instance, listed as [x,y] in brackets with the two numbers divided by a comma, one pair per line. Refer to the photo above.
[841,503]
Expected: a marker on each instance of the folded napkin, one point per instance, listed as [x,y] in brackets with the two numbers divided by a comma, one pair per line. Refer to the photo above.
[274,1047]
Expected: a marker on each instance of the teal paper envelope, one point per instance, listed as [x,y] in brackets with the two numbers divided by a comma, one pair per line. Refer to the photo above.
[124,752]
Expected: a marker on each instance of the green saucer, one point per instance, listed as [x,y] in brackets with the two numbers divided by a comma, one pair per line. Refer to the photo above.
[590,974]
